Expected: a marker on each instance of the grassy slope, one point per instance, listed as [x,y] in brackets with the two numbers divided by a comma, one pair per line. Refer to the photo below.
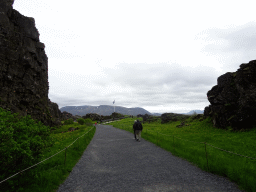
[52,172]
[238,169]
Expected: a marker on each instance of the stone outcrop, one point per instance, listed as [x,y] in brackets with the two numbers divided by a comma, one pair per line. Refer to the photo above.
[65,116]
[233,99]
[172,117]
[117,115]
[92,116]
[146,117]
[24,68]
[55,113]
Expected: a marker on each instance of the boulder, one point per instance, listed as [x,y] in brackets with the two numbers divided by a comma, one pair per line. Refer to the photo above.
[71,129]
[146,117]
[233,99]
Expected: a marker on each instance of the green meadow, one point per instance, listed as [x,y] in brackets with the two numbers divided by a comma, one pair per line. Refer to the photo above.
[192,142]
[48,175]
[198,142]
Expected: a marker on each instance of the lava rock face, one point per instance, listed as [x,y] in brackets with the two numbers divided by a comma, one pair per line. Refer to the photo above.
[24,68]
[65,116]
[233,99]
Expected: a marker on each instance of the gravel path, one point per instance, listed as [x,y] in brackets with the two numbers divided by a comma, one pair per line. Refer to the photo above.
[114,162]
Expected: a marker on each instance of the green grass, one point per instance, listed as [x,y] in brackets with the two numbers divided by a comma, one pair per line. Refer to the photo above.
[239,169]
[52,172]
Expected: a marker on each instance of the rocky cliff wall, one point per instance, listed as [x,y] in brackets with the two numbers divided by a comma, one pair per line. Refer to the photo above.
[233,99]
[24,68]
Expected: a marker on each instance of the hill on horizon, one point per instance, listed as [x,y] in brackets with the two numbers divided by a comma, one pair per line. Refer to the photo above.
[188,113]
[191,112]
[103,110]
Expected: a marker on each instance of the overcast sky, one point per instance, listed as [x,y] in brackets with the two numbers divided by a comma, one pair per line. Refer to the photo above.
[160,55]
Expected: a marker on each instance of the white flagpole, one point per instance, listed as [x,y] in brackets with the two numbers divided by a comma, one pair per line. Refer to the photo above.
[114,105]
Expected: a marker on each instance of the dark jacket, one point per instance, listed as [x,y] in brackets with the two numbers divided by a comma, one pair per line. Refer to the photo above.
[137,126]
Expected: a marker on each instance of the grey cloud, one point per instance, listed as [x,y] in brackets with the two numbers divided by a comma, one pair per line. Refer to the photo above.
[145,85]
[238,42]
[157,75]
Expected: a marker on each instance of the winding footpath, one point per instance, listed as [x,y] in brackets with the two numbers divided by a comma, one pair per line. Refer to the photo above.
[115,162]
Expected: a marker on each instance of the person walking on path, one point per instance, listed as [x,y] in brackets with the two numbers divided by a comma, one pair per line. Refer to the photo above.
[137,127]
[134,129]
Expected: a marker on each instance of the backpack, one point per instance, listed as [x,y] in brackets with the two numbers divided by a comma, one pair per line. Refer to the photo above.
[138,126]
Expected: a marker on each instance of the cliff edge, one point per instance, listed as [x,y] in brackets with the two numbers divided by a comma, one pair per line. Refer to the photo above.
[24,68]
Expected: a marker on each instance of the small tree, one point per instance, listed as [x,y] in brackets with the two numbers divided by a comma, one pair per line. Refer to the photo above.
[80,121]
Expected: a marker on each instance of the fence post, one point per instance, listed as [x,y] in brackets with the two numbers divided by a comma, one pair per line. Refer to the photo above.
[206,156]
[65,157]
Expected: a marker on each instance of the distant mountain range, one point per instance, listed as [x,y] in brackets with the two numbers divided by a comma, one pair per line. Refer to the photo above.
[156,114]
[188,113]
[197,112]
[108,110]
[103,110]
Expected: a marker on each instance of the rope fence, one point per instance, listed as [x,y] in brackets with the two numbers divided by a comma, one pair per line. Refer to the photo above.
[197,142]
[47,158]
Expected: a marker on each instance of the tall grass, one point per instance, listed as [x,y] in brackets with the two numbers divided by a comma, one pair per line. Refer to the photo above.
[184,142]
[52,172]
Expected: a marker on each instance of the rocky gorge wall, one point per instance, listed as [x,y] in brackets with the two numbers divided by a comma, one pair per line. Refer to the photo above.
[24,68]
[233,99]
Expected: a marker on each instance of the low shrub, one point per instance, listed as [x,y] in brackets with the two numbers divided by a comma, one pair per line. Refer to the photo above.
[68,122]
[88,121]
[22,141]
[81,121]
